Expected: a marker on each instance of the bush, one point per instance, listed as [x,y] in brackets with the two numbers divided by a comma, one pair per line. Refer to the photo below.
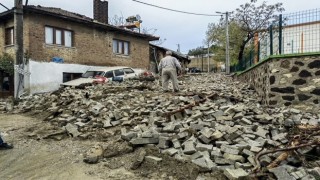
[7,64]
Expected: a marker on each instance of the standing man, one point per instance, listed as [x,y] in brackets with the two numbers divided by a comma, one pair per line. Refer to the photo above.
[4,145]
[168,68]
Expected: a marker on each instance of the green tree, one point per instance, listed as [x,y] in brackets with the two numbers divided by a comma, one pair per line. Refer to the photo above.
[197,51]
[252,18]
[247,20]
[216,34]
[6,64]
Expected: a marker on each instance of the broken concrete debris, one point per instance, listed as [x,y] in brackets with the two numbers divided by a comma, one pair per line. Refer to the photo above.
[217,123]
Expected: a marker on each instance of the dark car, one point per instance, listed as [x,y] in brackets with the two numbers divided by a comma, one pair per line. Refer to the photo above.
[194,70]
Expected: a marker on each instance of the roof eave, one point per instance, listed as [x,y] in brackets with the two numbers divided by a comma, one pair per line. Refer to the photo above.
[93,23]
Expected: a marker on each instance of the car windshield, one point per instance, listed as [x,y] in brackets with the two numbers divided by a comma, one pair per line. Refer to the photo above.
[92,74]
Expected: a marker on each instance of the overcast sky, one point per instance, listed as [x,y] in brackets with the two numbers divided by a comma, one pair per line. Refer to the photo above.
[172,27]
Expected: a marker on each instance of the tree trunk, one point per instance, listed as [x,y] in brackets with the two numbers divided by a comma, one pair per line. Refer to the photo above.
[242,47]
[240,55]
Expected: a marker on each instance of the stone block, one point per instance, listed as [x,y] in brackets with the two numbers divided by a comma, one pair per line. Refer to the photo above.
[207,132]
[315,172]
[189,147]
[246,121]
[299,174]
[205,164]
[251,160]
[163,142]
[127,135]
[234,174]
[204,147]
[141,141]
[176,143]
[196,155]
[281,173]
[220,143]
[309,177]
[139,158]
[248,152]
[261,132]
[237,116]
[223,161]
[153,159]
[170,127]
[216,152]
[255,149]
[265,160]
[204,139]
[235,135]
[183,134]
[216,135]
[235,158]
[243,165]
[229,149]
[72,130]
[170,151]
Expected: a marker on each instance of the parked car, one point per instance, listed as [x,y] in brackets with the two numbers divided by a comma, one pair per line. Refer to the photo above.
[103,75]
[194,70]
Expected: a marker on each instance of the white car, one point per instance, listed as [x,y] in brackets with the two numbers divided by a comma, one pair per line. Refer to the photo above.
[101,75]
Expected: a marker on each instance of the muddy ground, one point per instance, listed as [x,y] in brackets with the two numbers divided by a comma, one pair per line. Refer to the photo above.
[36,157]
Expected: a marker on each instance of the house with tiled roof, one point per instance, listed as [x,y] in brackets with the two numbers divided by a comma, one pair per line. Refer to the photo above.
[77,42]
[158,52]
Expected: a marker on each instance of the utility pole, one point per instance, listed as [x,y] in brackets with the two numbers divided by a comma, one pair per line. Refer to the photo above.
[208,58]
[202,51]
[178,50]
[227,45]
[227,42]
[18,43]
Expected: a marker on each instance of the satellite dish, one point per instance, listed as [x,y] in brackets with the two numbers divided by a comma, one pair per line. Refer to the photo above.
[138,17]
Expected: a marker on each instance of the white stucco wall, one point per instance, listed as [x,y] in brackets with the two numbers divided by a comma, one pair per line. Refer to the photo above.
[47,76]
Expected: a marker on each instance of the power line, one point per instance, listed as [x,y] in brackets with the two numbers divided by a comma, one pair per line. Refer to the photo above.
[4,6]
[198,14]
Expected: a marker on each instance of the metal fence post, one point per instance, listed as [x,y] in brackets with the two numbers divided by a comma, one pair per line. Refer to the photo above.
[271,40]
[280,34]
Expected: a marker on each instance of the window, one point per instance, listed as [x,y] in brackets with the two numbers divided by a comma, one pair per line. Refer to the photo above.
[58,36]
[92,74]
[70,76]
[9,36]
[121,47]
[118,72]
[128,70]
[108,74]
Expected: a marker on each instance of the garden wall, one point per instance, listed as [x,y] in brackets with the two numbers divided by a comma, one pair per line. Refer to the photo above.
[292,81]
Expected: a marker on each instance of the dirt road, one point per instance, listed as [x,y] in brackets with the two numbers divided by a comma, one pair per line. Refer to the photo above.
[47,159]
[34,157]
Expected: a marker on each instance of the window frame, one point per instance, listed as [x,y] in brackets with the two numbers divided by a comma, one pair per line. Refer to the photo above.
[54,40]
[9,36]
[121,47]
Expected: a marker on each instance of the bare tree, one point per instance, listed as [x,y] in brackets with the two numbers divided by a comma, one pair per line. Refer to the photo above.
[252,18]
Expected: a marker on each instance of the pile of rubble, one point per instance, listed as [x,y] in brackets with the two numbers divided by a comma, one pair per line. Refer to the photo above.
[214,122]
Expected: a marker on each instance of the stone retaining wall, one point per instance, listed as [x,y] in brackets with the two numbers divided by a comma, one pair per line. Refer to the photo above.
[289,81]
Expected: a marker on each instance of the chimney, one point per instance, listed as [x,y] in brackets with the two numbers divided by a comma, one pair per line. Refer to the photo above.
[100,11]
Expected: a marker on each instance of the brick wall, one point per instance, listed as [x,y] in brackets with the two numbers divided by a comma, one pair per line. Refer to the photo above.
[92,46]
[1,38]
[293,82]
[3,47]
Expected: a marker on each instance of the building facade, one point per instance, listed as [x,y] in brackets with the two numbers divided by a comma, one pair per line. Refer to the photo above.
[53,33]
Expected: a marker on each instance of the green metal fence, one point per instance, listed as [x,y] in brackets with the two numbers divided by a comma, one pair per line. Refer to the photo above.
[294,33]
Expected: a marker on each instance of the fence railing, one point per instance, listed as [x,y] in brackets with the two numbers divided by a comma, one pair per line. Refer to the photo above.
[294,33]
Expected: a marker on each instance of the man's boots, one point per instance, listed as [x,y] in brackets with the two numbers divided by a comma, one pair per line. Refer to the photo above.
[5,146]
